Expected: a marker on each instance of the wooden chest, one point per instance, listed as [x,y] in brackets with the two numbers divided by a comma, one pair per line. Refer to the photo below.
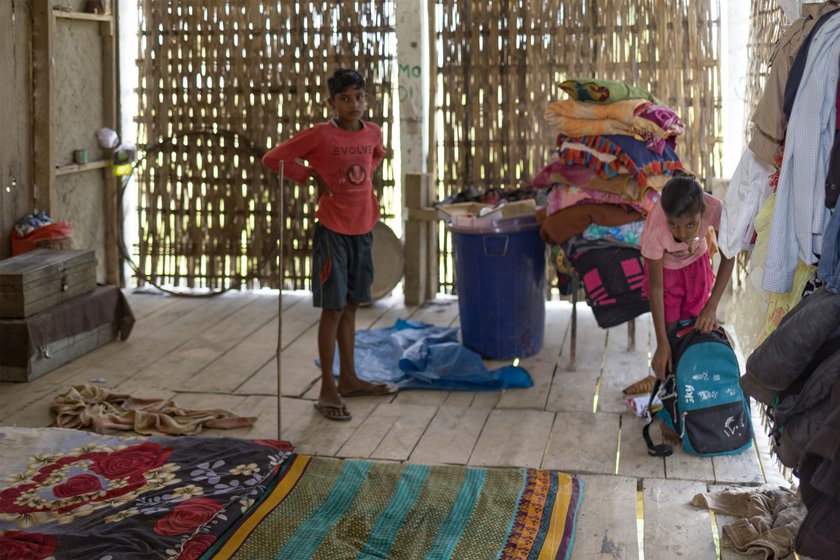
[47,340]
[40,279]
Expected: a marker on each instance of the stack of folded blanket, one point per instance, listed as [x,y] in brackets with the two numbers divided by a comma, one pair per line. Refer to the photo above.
[615,151]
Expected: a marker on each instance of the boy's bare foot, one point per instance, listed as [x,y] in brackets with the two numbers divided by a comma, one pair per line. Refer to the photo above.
[668,435]
[358,388]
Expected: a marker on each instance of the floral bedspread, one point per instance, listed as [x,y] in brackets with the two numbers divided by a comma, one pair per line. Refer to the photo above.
[67,494]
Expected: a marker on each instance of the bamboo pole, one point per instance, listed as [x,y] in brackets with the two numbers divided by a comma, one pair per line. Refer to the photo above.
[278,353]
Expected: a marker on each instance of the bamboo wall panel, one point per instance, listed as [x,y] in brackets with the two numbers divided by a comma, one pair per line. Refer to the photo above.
[220,83]
[500,62]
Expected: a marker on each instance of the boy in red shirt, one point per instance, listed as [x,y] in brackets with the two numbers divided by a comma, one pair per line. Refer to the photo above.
[342,154]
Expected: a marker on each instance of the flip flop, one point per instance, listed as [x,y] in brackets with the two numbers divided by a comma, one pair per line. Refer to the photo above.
[379,390]
[325,409]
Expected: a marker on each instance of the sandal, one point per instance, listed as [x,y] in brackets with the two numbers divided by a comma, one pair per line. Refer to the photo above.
[640,387]
[375,390]
[333,411]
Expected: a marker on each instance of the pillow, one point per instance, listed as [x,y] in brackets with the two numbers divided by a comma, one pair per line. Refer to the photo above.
[603,91]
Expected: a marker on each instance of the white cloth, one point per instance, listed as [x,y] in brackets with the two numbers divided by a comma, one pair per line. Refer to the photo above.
[800,216]
[747,191]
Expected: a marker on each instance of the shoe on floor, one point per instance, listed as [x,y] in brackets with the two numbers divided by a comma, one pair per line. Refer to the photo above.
[333,411]
[641,386]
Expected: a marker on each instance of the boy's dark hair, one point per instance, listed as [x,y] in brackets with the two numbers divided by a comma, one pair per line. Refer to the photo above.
[682,195]
[344,78]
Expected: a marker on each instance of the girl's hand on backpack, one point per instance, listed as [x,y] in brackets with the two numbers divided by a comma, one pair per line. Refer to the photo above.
[707,320]
[661,361]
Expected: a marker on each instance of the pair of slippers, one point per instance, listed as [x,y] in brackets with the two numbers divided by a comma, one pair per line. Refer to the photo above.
[339,411]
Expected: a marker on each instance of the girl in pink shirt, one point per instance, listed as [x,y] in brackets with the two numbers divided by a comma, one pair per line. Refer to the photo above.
[679,279]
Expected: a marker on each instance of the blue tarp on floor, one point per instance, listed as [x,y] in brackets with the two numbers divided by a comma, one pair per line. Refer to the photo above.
[418,355]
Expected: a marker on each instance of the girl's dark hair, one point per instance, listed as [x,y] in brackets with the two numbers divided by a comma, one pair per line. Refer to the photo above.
[682,195]
[344,78]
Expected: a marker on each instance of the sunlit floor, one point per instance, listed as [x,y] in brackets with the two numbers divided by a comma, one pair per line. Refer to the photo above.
[219,353]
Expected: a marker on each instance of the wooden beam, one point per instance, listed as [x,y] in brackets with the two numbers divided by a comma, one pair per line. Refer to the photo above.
[83,16]
[423,214]
[110,95]
[420,240]
[43,79]
[80,167]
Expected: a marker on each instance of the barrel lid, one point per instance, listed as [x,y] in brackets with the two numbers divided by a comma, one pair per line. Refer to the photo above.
[510,224]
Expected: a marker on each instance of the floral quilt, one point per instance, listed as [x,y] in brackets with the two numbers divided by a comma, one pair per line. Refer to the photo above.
[67,494]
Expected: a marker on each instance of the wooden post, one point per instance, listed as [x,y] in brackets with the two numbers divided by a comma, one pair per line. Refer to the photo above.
[109,101]
[43,79]
[420,246]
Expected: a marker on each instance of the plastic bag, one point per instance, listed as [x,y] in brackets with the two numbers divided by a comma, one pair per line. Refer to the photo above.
[57,235]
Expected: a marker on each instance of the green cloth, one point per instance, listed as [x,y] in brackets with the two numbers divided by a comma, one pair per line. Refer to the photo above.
[594,90]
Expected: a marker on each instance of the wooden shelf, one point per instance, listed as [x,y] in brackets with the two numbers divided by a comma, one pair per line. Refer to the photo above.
[78,168]
[84,16]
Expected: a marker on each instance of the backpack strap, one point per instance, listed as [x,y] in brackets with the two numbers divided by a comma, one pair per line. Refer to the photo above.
[661,450]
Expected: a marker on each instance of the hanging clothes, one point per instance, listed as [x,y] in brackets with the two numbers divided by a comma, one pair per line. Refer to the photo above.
[768,118]
[800,216]
[747,191]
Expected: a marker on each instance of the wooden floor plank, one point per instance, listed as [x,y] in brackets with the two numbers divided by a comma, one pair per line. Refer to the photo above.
[743,467]
[683,466]
[376,428]
[590,341]
[606,522]
[145,304]
[176,369]
[512,437]
[541,365]
[248,351]
[459,399]
[634,459]
[422,396]
[315,435]
[450,437]
[119,360]
[575,389]
[583,443]
[673,527]
[623,367]
[441,311]
[485,399]
[135,355]
[405,432]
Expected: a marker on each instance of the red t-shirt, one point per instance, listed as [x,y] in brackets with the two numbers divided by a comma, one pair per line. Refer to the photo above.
[345,160]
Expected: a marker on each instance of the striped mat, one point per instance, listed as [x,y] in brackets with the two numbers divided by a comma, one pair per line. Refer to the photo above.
[326,508]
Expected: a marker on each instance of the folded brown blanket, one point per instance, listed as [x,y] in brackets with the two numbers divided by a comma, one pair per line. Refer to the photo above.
[98,409]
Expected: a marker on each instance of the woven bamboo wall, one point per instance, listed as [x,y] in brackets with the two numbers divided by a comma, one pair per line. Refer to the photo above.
[221,82]
[499,63]
[767,22]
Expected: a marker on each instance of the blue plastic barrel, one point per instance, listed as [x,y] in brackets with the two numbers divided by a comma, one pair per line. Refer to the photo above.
[500,276]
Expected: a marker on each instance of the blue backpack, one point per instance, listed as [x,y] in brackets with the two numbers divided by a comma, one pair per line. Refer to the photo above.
[702,399]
